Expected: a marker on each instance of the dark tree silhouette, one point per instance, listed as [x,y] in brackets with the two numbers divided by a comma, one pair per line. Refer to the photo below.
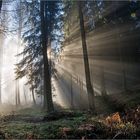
[0,5]
[90,90]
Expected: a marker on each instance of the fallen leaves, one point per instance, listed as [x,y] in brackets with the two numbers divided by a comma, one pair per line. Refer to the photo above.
[113,119]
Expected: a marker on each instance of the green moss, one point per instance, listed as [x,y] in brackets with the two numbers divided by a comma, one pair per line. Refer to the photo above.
[31,112]
[22,129]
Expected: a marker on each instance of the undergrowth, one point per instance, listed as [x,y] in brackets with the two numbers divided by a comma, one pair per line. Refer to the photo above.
[77,125]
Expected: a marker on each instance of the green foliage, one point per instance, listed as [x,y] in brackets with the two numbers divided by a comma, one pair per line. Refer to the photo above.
[31,65]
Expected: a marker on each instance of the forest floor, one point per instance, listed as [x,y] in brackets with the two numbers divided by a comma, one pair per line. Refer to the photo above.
[33,123]
[30,123]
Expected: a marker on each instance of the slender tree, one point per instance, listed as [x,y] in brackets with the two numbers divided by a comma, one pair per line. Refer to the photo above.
[19,21]
[89,87]
[32,86]
[0,5]
[1,59]
[48,104]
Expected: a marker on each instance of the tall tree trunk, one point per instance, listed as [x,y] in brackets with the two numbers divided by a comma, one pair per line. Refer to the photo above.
[0,71]
[24,91]
[16,97]
[0,58]
[90,90]
[48,103]
[1,62]
[0,5]
[33,95]
[0,84]
[103,87]
[71,90]
[120,55]
[32,87]
[17,93]
[19,44]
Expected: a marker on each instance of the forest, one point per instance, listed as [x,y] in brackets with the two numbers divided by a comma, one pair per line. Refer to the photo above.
[69,69]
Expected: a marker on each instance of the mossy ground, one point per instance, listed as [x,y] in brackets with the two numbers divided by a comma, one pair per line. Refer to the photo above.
[28,124]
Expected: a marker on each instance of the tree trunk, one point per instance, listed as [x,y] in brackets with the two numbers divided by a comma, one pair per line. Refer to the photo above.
[16,98]
[122,63]
[25,95]
[1,62]
[48,103]
[19,44]
[90,90]
[0,85]
[33,96]
[0,5]
[17,93]
[0,79]
[71,88]
[32,87]
[103,87]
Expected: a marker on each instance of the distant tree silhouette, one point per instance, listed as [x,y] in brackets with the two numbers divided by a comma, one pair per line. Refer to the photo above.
[0,5]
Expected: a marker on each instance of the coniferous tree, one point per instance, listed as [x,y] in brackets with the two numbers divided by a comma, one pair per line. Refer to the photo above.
[39,25]
[49,12]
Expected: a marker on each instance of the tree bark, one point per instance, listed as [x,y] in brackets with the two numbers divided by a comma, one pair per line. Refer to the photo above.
[24,91]
[32,87]
[90,90]
[17,93]
[0,5]
[122,63]
[71,88]
[48,103]
[0,86]
[0,71]
[1,63]
[33,95]
[103,87]
[19,44]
